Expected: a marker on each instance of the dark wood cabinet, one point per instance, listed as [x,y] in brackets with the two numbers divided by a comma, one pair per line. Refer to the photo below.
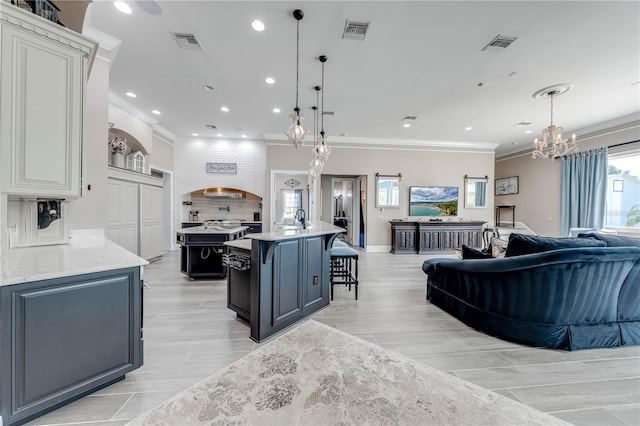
[424,237]
[403,237]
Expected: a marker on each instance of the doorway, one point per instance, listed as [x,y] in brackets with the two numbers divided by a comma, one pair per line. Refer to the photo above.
[348,207]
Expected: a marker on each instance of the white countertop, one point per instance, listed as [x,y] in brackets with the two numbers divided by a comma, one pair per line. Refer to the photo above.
[287,233]
[212,230]
[241,243]
[88,251]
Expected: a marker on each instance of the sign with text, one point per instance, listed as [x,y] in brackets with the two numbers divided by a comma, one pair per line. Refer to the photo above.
[228,168]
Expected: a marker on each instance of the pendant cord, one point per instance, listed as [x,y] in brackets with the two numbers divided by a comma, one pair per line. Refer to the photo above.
[322,110]
[552,110]
[297,58]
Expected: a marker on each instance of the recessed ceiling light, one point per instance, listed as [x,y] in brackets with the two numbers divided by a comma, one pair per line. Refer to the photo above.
[276,110]
[528,131]
[468,128]
[406,125]
[257,25]
[207,87]
[269,80]
[244,136]
[132,95]
[123,7]
[224,109]
[194,134]
[156,112]
[219,135]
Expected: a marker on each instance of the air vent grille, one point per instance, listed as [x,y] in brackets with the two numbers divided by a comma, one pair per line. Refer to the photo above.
[409,117]
[523,123]
[328,113]
[187,41]
[499,43]
[354,30]
[210,126]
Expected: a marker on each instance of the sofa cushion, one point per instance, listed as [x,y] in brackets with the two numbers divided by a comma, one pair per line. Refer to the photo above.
[520,244]
[472,253]
[612,240]
[498,247]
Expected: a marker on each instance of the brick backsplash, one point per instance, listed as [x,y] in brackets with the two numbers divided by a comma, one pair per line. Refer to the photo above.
[190,158]
[209,208]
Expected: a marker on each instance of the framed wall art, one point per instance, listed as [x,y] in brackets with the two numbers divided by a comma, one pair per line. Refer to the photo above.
[506,186]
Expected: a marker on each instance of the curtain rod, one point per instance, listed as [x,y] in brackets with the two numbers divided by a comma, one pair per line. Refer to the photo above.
[623,143]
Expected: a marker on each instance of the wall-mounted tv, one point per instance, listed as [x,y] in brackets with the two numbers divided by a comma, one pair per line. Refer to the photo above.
[433,201]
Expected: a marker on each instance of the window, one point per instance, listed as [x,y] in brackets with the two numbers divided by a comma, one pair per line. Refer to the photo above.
[292,202]
[623,191]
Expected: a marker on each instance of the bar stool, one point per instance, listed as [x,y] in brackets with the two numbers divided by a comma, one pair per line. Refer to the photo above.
[343,266]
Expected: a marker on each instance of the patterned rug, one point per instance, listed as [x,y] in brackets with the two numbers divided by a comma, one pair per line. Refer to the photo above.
[315,374]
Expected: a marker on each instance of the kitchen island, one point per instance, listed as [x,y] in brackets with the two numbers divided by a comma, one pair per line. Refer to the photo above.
[286,280]
[202,247]
[70,322]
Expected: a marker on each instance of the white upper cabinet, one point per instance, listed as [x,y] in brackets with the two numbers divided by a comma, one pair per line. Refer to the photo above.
[43,75]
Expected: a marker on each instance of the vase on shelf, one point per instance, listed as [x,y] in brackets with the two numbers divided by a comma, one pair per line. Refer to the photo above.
[117,159]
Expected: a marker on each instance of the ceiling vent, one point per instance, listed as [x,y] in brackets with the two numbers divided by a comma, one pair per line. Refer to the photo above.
[523,123]
[187,41]
[210,126]
[328,113]
[409,117]
[354,30]
[499,43]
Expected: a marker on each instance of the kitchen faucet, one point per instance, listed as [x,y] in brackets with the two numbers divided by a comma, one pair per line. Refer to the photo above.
[302,218]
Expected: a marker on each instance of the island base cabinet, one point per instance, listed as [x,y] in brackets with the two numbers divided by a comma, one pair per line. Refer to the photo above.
[66,337]
[289,281]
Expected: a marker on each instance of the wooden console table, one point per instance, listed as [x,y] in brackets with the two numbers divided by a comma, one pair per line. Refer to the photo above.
[423,237]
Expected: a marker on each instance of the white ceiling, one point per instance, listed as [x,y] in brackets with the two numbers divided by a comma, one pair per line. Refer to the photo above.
[419,58]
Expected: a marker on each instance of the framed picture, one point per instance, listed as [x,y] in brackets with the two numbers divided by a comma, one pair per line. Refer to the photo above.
[506,186]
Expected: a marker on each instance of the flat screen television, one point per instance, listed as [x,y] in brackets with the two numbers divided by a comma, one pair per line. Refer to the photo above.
[433,201]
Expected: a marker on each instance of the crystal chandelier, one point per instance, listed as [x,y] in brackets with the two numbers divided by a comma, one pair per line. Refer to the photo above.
[552,145]
[295,133]
[320,149]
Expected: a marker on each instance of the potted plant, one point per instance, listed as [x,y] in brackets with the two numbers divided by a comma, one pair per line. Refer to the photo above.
[118,146]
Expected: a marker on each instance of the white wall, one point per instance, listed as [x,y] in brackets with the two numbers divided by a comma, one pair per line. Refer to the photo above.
[419,166]
[191,156]
[538,201]
[162,154]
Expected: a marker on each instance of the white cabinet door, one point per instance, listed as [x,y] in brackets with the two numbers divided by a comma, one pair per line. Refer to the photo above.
[151,221]
[43,74]
[122,222]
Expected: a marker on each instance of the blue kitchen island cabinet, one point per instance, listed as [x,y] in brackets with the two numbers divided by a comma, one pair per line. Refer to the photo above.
[289,278]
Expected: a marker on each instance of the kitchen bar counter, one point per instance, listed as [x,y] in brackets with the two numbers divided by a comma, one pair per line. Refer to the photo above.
[286,278]
[289,231]
[88,251]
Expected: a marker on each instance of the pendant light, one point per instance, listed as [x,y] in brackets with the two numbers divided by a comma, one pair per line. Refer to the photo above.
[321,149]
[315,166]
[296,131]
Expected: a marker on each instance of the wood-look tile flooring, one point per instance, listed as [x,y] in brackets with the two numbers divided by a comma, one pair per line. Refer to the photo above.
[190,334]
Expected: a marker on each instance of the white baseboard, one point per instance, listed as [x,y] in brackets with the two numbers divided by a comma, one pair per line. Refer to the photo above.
[378,249]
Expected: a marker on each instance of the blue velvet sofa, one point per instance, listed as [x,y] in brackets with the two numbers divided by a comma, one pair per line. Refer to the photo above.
[564,298]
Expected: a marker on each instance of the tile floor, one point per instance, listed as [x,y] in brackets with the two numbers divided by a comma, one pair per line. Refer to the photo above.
[190,334]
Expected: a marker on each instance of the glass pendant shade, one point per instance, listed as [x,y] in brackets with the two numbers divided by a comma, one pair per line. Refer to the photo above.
[295,133]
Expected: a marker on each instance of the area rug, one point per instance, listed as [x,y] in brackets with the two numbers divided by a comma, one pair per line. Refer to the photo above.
[315,374]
